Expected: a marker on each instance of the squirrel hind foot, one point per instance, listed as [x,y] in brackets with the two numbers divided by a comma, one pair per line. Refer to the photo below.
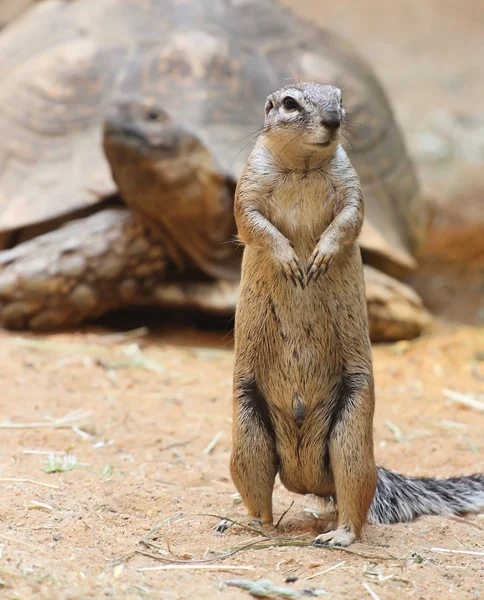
[338,537]
[223,525]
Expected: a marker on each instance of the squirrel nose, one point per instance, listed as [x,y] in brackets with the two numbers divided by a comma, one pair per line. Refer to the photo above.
[331,122]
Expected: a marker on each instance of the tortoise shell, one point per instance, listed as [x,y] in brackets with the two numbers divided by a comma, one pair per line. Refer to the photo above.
[211,66]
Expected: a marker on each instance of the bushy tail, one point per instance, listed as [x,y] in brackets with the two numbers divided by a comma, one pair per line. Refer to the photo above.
[399,498]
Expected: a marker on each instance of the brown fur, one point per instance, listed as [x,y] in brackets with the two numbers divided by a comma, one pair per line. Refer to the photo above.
[303,380]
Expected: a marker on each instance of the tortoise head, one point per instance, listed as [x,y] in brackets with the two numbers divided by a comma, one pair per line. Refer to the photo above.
[304,119]
[140,133]
[166,174]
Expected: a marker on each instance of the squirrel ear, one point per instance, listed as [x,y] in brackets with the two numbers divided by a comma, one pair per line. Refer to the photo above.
[269,106]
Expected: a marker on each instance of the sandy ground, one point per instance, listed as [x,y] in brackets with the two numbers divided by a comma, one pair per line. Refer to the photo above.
[147,422]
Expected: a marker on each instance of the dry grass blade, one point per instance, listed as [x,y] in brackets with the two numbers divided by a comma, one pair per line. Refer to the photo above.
[211,446]
[200,568]
[336,566]
[449,551]
[60,464]
[397,432]
[153,530]
[32,481]
[22,543]
[33,505]
[71,420]
[466,399]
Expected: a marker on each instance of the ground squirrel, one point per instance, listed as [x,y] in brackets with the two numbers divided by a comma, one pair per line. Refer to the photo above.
[303,381]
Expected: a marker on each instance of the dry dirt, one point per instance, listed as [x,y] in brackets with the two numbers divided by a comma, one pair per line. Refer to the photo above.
[151,406]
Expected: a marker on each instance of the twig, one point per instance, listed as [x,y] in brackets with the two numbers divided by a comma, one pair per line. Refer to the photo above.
[22,480]
[284,514]
[199,567]
[467,399]
[371,592]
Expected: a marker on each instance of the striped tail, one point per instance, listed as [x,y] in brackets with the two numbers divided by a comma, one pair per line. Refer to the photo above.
[400,498]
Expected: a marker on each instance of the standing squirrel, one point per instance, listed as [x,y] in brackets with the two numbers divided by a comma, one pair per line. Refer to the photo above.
[303,379]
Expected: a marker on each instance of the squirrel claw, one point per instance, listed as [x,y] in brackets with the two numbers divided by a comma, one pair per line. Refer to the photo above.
[322,270]
[223,525]
[338,537]
[315,271]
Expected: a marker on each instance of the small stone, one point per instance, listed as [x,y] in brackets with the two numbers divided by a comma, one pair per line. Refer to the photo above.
[128,290]
[72,265]
[109,267]
[84,297]
[138,247]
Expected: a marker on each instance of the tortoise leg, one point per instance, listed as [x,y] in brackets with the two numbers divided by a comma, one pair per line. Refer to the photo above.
[395,310]
[79,271]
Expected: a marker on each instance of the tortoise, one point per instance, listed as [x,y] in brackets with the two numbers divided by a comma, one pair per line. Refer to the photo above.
[11,9]
[126,124]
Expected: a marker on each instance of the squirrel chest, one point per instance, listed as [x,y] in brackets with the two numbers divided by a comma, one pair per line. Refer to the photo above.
[301,206]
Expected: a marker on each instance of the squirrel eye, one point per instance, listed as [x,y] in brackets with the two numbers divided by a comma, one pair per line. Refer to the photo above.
[290,104]
[153,115]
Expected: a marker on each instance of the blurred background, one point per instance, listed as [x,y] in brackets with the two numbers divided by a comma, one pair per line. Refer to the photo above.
[429,57]
[116,436]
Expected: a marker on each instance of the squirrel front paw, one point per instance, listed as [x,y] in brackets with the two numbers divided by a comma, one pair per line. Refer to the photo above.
[320,259]
[290,265]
